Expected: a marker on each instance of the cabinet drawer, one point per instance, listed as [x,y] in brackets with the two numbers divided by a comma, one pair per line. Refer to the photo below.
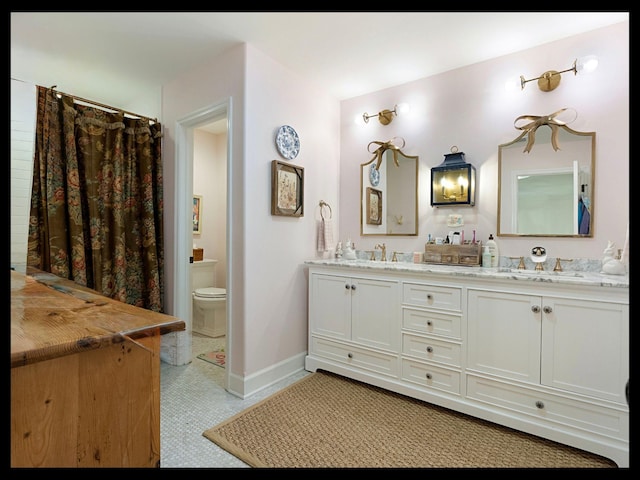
[570,412]
[357,357]
[431,349]
[431,376]
[422,295]
[434,323]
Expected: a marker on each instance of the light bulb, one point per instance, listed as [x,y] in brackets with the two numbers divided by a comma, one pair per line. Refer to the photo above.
[402,108]
[513,84]
[586,64]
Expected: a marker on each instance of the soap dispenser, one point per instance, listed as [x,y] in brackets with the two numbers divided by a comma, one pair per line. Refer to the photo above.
[493,248]
[486,256]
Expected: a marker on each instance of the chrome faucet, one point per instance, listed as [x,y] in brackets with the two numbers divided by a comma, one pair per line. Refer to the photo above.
[383,255]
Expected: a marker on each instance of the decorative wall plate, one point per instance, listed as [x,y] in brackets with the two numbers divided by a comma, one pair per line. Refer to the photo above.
[374,175]
[288,142]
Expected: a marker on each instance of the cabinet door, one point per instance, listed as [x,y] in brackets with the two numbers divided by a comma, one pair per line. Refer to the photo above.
[585,347]
[330,306]
[504,334]
[375,313]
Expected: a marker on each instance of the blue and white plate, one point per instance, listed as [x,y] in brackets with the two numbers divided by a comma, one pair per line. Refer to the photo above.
[288,142]
[374,175]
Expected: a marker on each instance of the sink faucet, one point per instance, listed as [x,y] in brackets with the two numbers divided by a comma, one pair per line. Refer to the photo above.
[539,255]
[383,256]
[558,267]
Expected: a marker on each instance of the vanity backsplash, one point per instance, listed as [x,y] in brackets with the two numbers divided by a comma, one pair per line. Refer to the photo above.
[574,265]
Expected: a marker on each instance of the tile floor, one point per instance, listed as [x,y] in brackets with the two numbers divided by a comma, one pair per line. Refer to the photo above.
[192,400]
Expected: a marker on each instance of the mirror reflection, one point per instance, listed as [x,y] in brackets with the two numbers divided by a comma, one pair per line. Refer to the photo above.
[547,192]
[389,196]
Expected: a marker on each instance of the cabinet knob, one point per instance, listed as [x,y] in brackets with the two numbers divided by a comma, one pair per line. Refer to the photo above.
[347,286]
[350,355]
[428,375]
[539,404]
[429,323]
[429,296]
[429,349]
[353,287]
[547,309]
[535,309]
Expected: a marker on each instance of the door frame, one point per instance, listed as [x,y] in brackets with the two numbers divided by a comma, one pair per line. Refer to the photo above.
[183,236]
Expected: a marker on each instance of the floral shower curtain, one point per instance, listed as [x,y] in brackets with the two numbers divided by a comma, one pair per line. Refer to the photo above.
[97,201]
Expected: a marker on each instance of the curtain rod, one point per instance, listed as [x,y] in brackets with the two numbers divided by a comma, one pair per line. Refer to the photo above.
[102,105]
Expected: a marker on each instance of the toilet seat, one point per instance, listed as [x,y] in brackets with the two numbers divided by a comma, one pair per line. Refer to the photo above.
[211,292]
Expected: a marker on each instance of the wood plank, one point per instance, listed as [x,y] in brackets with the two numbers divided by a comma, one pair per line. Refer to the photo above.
[51,317]
[43,428]
[116,407]
[85,377]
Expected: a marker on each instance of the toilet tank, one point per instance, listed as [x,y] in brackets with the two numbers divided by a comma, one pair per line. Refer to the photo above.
[203,273]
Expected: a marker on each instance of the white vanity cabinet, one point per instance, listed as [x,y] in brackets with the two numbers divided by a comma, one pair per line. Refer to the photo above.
[562,362]
[574,345]
[354,320]
[431,335]
[547,356]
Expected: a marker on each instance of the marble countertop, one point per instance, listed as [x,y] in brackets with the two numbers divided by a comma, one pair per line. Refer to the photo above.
[587,278]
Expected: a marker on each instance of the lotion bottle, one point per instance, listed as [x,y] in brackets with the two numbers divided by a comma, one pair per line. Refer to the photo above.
[493,248]
[486,256]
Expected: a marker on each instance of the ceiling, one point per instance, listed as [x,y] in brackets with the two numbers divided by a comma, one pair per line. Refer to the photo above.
[347,53]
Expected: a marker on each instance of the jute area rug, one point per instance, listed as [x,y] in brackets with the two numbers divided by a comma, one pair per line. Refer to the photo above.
[325,420]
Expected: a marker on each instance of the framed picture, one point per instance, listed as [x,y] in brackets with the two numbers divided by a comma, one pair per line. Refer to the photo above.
[287,189]
[197,214]
[374,206]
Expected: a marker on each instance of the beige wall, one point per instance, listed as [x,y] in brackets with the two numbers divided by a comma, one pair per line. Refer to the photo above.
[210,182]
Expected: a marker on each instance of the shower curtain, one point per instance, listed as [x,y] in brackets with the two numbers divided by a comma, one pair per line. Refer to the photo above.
[97,202]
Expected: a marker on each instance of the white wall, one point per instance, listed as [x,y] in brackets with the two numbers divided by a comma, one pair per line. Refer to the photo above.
[269,303]
[276,247]
[23,123]
[470,108]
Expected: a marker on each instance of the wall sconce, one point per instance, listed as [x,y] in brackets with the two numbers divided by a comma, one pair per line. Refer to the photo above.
[550,79]
[385,117]
[453,182]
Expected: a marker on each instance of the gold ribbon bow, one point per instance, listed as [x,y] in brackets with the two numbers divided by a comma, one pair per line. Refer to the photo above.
[384,146]
[549,120]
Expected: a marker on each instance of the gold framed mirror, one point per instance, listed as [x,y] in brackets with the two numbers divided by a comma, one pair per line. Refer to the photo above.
[547,192]
[398,184]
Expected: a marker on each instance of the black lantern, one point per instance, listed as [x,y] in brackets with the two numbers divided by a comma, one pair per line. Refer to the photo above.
[453,182]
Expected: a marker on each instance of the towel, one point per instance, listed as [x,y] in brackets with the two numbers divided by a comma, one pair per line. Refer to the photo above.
[584,218]
[325,235]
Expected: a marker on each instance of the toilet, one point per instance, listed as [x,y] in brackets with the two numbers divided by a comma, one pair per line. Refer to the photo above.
[209,302]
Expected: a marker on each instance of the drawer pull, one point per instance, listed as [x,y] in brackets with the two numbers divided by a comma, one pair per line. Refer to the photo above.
[428,375]
[547,309]
[350,355]
[539,404]
[535,309]
[429,349]
[429,323]
[429,296]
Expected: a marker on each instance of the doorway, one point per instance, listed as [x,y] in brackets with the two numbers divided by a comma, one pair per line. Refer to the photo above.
[218,114]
